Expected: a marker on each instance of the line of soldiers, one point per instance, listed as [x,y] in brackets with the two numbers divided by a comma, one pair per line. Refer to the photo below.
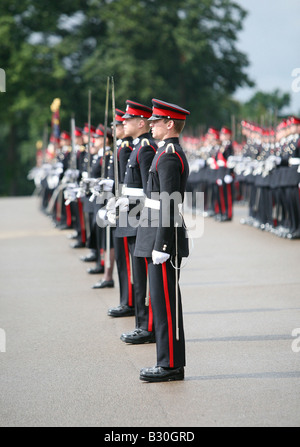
[110,191]
[265,174]
[211,174]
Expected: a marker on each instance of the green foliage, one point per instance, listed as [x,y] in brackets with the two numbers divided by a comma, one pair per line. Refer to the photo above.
[265,108]
[181,52]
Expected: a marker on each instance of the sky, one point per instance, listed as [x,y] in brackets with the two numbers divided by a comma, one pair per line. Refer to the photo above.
[271,40]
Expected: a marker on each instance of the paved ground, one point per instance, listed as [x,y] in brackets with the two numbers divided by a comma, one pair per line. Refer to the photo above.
[65,365]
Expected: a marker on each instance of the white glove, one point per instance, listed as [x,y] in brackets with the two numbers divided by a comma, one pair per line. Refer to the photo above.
[111,204]
[219,182]
[71,174]
[102,214]
[111,210]
[159,257]
[53,181]
[107,185]
[102,218]
[123,204]
[228,179]
[111,216]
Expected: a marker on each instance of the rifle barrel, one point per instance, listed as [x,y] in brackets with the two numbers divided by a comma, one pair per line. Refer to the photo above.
[116,171]
[73,153]
[89,135]
[105,127]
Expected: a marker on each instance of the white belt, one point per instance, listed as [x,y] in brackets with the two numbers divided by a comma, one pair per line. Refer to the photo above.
[294,161]
[136,192]
[155,204]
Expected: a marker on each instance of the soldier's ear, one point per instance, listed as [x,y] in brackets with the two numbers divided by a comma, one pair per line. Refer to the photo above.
[170,124]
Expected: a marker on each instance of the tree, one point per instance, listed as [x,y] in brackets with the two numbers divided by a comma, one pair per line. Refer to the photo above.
[35,74]
[182,52]
[264,107]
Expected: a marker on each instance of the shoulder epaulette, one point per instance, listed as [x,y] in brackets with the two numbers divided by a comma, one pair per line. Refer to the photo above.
[145,142]
[125,144]
[82,148]
[170,149]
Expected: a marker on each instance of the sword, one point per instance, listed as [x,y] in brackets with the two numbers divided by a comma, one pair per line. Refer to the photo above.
[108,263]
[176,281]
[147,299]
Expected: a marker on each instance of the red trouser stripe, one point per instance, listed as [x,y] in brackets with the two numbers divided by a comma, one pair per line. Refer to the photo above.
[222,200]
[82,223]
[130,300]
[150,319]
[150,324]
[69,215]
[169,316]
[102,261]
[229,198]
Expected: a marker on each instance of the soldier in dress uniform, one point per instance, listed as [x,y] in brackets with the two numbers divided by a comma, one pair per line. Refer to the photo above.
[213,203]
[162,239]
[79,149]
[294,186]
[63,157]
[225,178]
[91,208]
[122,255]
[82,166]
[47,190]
[103,168]
[136,125]
[271,170]
[289,178]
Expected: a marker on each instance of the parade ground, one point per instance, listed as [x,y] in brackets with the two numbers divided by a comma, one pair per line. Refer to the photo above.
[62,363]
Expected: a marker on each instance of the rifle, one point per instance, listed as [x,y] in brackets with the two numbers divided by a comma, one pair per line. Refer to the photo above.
[115,151]
[73,153]
[105,128]
[89,140]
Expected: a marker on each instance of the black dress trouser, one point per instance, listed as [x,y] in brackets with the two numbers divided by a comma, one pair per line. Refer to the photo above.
[162,279]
